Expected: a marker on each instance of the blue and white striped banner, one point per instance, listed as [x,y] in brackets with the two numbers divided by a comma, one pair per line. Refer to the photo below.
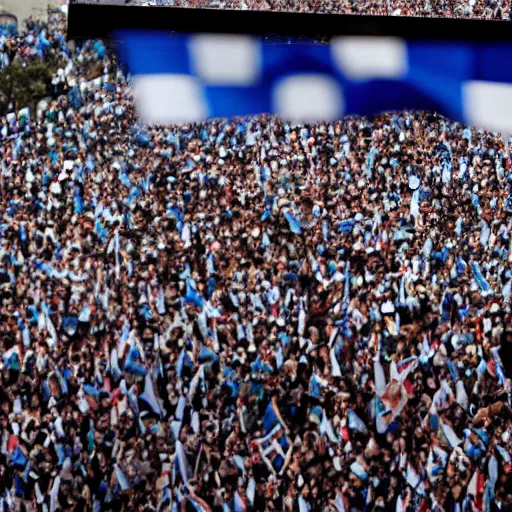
[188,78]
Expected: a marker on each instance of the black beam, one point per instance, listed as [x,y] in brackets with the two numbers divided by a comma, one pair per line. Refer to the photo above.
[101,21]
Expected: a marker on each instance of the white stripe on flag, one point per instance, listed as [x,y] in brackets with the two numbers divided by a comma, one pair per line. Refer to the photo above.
[308,97]
[360,58]
[226,59]
[488,105]
[149,395]
[168,98]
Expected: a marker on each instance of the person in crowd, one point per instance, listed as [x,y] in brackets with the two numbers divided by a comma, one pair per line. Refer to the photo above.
[247,315]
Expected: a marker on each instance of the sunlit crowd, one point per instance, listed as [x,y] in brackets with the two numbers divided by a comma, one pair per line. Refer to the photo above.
[484,9]
[248,315]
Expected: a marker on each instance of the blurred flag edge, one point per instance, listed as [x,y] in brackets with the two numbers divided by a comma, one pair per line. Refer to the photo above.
[193,77]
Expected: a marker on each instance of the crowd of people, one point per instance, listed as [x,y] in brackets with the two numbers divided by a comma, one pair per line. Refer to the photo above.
[246,315]
[483,9]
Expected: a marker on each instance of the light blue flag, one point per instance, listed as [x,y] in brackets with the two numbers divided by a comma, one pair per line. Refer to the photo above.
[446,157]
[197,506]
[458,227]
[427,247]
[165,500]
[192,296]
[507,289]
[492,468]
[415,203]
[346,291]
[355,422]
[485,234]
[304,506]
[121,478]
[239,504]
[114,364]
[480,279]
[294,223]
[265,240]
[325,230]
[210,263]
[213,75]
[180,362]
[149,397]
[279,358]
[467,135]
[181,461]
[504,454]
[160,302]
[370,161]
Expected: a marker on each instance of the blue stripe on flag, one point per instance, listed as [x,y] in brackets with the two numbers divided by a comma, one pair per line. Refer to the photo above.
[288,59]
[430,57]
[387,95]
[233,101]
[149,53]
[490,65]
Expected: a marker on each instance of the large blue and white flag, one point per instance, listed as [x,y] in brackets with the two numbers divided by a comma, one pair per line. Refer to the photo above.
[188,78]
